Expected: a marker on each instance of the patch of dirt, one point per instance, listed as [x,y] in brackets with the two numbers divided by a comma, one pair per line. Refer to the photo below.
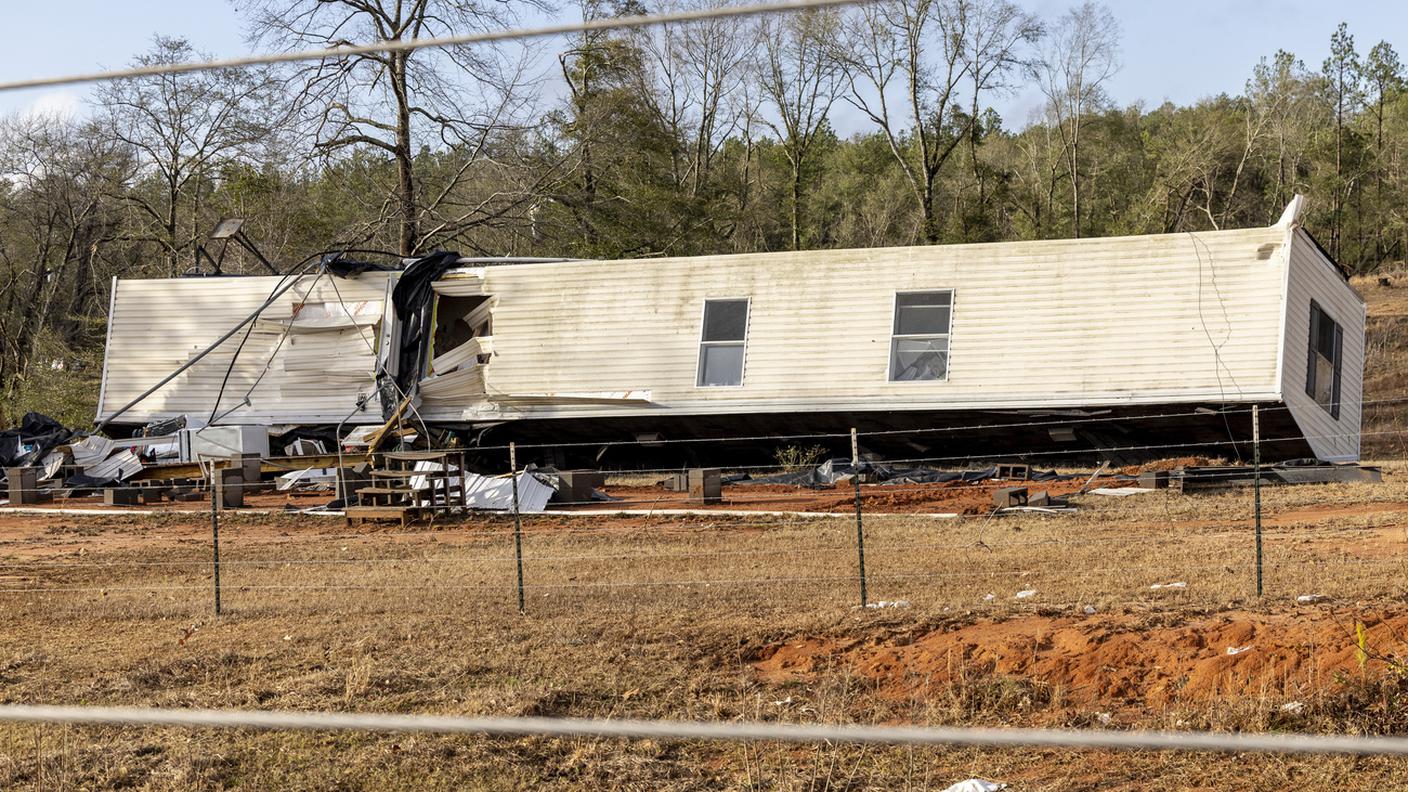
[1110,660]
[1314,514]
[952,497]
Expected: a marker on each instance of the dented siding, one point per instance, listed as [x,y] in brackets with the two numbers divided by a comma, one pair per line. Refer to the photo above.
[315,373]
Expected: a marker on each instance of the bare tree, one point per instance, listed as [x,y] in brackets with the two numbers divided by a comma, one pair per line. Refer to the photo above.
[58,217]
[800,79]
[460,98]
[183,126]
[691,76]
[1081,55]
[907,64]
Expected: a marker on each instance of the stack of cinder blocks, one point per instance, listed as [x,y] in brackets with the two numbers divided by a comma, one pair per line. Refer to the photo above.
[24,487]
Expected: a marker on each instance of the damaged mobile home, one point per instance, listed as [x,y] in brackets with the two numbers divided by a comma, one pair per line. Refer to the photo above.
[1129,344]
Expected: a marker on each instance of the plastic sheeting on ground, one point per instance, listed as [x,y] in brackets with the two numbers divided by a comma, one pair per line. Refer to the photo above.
[833,470]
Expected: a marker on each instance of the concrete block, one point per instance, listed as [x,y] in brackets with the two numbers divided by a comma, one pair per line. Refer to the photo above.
[153,493]
[229,487]
[1017,472]
[251,465]
[705,485]
[24,486]
[1153,479]
[354,479]
[1009,496]
[577,485]
[120,496]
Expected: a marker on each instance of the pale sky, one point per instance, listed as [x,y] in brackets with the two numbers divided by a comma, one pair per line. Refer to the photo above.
[1178,51]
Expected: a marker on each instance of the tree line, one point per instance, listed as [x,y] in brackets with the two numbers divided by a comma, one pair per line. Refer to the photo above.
[707,137]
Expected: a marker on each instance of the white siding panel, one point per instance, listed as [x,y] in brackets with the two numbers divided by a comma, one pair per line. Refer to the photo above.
[313,375]
[1132,320]
[1312,276]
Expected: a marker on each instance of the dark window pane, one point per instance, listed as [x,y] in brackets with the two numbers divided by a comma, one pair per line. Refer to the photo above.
[721,364]
[1322,376]
[926,313]
[918,359]
[725,320]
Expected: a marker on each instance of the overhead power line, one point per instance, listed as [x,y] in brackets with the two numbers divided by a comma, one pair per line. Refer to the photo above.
[637,21]
[743,731]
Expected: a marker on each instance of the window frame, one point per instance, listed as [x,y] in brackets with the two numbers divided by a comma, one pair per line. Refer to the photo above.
[948,336]
[742,343]
[1336,363]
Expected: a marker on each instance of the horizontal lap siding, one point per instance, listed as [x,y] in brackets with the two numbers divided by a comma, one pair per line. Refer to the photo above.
[1312,276]
[158,325]
[1107,321]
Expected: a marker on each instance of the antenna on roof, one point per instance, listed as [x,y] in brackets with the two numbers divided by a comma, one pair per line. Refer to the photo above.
[229,228]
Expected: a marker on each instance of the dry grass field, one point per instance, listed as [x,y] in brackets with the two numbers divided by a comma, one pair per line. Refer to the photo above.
[717,618]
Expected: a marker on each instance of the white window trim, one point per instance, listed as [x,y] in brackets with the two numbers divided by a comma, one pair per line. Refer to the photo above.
[890,347]
[699,354]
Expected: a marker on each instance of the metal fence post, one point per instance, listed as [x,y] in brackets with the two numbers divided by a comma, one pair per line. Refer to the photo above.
[215,532]
[860,529]
[517,521]
[1256,488]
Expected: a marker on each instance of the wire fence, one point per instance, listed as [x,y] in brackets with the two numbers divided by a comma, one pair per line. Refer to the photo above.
[972,560]
[737,731]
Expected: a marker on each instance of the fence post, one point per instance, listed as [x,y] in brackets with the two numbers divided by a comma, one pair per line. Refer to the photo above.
[215,531]
[860,530]
[517,521]
[1256,488]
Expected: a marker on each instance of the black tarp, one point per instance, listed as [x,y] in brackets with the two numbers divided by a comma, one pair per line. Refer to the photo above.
[347,268]
[31,441]
[412,298]
[829,472]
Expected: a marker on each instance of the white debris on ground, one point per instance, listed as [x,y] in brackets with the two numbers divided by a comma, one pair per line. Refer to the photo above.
[1293,707]
[1104,718]
[484,492]
[976,785]
[989,597]
[1178,584]
[305,477]
[1306,599]
[1089,610]
[1119,492]
[888,604]
[1025,594]
[1236,650]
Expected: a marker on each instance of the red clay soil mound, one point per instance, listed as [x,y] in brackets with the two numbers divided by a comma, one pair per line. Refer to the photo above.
[1112,660]
[1172,463]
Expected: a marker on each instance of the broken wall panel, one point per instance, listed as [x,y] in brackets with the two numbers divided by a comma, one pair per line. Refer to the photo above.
[315,375]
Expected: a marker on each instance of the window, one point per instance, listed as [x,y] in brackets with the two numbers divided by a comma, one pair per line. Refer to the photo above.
[919,342]
[1322,368]
[722,342]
